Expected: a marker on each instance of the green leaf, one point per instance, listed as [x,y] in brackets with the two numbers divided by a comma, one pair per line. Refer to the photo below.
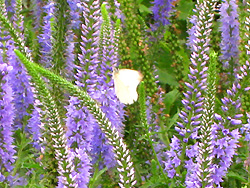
[170,98]
[144,10]
[166,78]
[173,120]
[237,176]
[30,166]
[185,8]
[96,177]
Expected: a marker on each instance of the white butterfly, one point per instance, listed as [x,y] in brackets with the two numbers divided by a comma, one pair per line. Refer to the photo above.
[126,82]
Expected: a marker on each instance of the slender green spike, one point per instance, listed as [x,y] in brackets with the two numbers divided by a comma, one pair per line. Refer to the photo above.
[104,12]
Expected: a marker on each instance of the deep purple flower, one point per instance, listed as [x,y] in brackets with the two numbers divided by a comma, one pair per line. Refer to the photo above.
[79,132]
[19,97]
[86,75]
[162,10]
[191,177]
[83,165]
[105,94]
[76,9]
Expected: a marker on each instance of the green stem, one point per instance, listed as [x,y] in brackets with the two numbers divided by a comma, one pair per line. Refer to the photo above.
[144,123]
[248,168]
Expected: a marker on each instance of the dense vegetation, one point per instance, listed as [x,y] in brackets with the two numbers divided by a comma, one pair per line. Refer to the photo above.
[62,123]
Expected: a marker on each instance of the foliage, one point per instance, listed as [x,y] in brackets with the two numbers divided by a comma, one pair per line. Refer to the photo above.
[62,123]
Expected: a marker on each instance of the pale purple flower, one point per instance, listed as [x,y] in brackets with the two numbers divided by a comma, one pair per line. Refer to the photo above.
[83,131]
[224,149]
[70,55]
[225,141]
[37,12]
[118,12]
[10,8]
[246,128]
[173,157]
[76,9]
[229,33]
[45,39]
[199,44]
[20,81]
[191,115]
[7,150]
[79,134]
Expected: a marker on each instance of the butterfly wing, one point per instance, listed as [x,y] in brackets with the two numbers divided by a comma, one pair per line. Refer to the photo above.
[126,82]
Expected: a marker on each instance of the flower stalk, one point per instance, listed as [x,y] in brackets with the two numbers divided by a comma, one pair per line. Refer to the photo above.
[125,164]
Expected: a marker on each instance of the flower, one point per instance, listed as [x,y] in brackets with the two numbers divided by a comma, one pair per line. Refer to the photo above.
[230,34]
[162,10]
[7,150]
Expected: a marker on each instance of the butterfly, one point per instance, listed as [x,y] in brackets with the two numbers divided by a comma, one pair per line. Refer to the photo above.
[126,82]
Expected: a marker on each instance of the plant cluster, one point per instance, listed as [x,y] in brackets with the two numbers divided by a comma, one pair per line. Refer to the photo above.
[62,124]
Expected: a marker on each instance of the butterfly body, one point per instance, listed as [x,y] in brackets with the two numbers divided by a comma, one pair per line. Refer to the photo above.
[126,82]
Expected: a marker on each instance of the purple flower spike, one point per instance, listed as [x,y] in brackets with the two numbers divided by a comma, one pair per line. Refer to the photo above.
[7,150]
[193,101]
[79,136]
[76,10]
[230,35]
[173,160]
[80,122]
[20,81]
[225,141]
[45,39]
[193,120]
[162,11]
[224,149]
